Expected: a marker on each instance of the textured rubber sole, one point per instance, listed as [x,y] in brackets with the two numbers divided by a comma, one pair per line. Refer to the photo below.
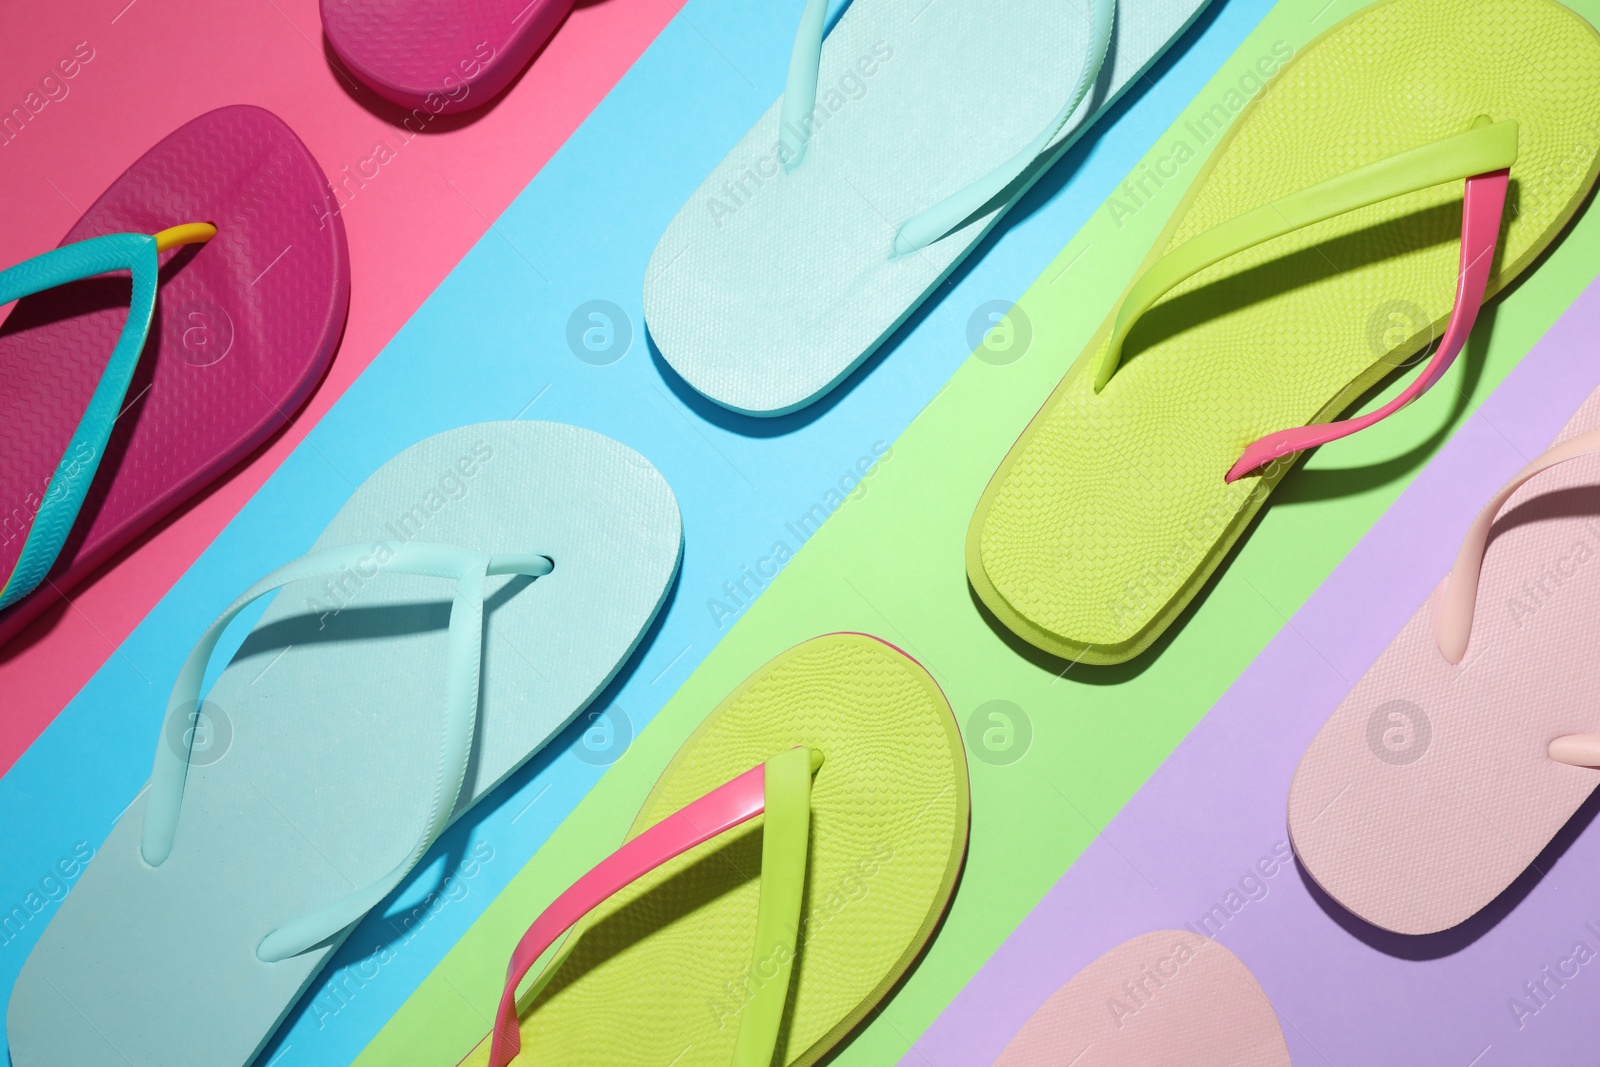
[244,329]
[326,725]
[444,58]
[1168,997]
[1110,512]
[660,972]
[1431,788]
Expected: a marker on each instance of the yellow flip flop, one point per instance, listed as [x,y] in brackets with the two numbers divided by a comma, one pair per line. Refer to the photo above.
[1370,175]
[786,871]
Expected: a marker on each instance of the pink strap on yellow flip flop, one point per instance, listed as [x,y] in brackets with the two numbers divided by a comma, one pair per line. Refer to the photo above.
[1481,156]
[780,788]
[1482,206]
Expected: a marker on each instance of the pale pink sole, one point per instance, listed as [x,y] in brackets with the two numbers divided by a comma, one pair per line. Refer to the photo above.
[1164,998]
[1431,788]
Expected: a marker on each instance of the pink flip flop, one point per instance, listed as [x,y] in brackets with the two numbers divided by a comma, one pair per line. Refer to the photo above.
[1164,998]
[243,327]
[443,57]
[1476,735]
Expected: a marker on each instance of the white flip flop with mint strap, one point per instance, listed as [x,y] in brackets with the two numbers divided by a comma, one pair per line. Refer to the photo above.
[900,139]
[469,600]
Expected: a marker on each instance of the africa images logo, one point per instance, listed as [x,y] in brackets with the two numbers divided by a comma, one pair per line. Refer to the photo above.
[740,591]
[1203,129]
[738,190]
[1398,732]
[338,593]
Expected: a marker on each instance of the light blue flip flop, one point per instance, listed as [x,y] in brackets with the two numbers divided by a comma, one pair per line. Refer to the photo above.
[468,601]
[899,141]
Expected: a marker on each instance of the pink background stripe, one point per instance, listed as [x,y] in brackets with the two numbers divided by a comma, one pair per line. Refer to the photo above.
[411,212]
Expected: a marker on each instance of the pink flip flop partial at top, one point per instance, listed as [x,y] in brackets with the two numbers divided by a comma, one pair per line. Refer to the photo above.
[1164,999]
[1475,737]
[445,57]
[242,329]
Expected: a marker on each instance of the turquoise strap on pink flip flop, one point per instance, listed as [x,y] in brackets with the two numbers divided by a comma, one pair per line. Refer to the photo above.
[781,788]
[1482,157]
[1458,602]
[797,121]
[132,252]
[468,570]
[63,497]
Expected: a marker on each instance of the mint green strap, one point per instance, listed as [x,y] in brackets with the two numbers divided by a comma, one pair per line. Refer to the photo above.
[69,485]
[800,90]
[799,107]
[469,571]
[1487,147]
[954,210]
[785,837]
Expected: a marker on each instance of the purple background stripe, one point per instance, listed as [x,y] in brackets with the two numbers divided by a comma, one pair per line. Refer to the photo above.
[1346,993]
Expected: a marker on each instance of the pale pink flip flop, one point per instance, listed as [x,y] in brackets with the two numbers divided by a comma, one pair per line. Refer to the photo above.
[1475,736]
[240,332]
[1164,998]
[442,58]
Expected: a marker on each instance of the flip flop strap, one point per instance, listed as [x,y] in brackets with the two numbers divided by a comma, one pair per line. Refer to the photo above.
[1482,156]
[64,494]
[781,788]
[800,88]
[1482,205]
[469,571]
[800,101]
[1577,750]
[1458,602]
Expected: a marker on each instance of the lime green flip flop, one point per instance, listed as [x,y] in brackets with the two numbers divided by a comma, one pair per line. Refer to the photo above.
[1406,166]
[789,867]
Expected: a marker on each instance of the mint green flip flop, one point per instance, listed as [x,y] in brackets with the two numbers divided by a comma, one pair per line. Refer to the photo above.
[370,706]
[900,140]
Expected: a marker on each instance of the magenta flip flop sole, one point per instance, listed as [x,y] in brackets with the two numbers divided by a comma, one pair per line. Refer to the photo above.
[446,58]
[245,327]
